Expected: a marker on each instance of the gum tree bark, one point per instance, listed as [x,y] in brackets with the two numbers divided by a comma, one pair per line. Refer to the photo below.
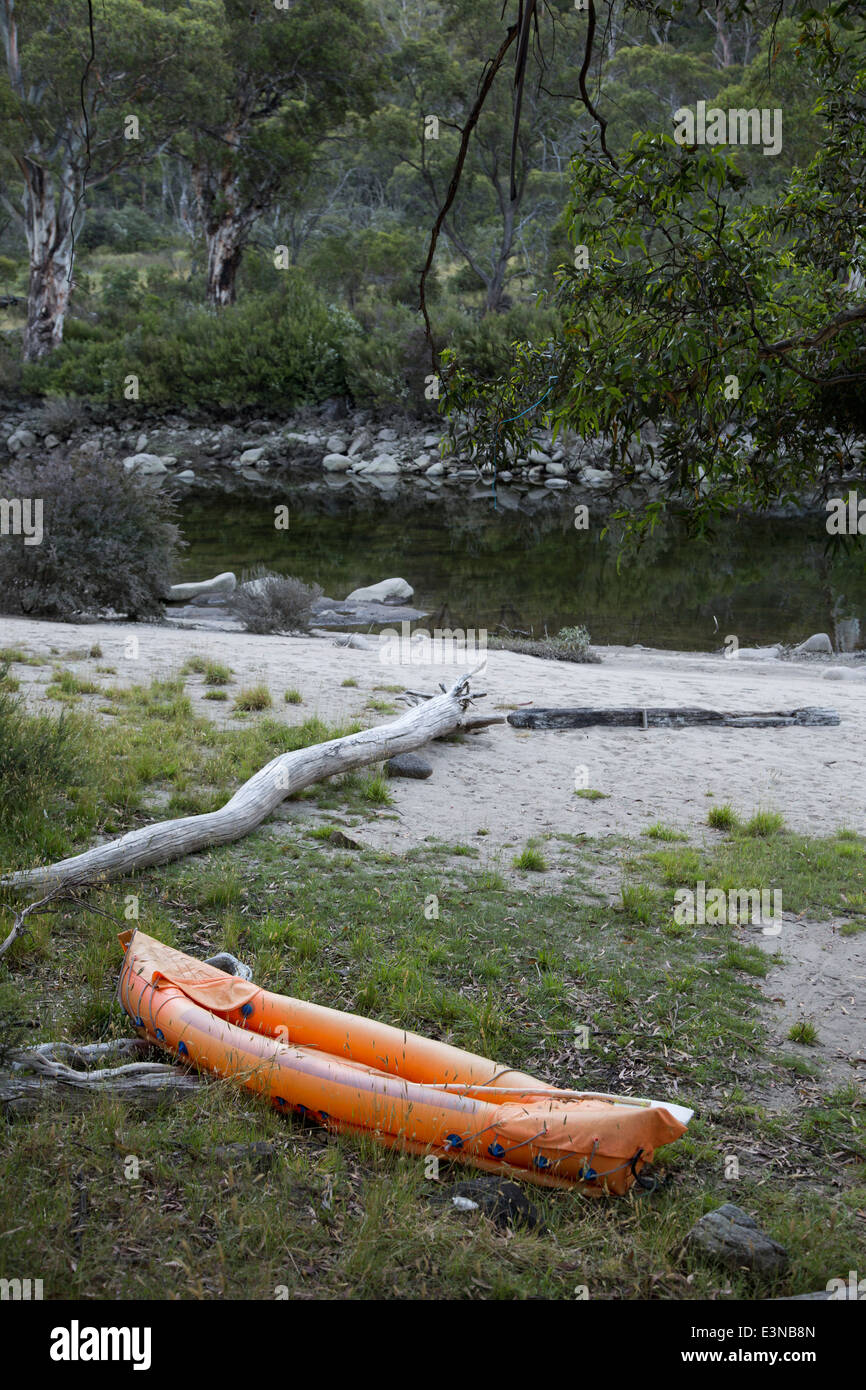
[49,204]
[257,798]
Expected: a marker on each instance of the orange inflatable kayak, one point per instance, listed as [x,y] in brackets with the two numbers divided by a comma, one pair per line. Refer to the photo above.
[354,1074]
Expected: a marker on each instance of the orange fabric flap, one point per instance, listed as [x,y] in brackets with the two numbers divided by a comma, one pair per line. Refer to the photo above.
[205,985]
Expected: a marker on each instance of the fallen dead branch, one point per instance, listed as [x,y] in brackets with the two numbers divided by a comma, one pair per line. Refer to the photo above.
[253,802]
[30,1075]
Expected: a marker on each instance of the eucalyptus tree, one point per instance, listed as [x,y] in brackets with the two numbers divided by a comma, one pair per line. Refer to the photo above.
[83,94]
[271,84]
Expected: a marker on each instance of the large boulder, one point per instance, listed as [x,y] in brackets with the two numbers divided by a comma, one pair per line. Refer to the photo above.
[386,591]
[336,463]
[144,463]
[729,1236]
[596,477]
[21,439]
[219,587]
[818,642]
[383,463]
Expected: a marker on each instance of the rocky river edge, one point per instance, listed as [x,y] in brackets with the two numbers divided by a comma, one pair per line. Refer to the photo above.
[329,448]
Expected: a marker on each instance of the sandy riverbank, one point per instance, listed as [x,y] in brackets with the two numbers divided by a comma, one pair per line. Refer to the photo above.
[516,784]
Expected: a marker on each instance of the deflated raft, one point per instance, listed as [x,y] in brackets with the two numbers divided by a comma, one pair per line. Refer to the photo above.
[357,1075]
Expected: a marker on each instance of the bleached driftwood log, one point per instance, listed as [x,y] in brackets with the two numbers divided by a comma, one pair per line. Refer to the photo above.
[28,1075]
[257,798]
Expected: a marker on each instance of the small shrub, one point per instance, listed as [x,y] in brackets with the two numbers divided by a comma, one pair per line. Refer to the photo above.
[216,695]
[659,831]
[350,680]
[639,901]
[569,644]
[531,860]
[375,792]
[65,684]
[764,824]
[723,818]
[803,1033]
[109,541]
[293,697]
[267,602]
[255,698]
[216,674]
[62,416]
[592,794]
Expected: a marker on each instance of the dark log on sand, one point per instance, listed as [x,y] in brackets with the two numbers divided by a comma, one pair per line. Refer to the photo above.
[636,717]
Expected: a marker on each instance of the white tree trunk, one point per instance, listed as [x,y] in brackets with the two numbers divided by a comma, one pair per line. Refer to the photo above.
[49,203]
[256,799]
[225,248]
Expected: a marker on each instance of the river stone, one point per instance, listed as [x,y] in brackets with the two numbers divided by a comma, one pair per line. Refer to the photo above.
[386,591]
[144,463]
[435,470]
[186,475]
[250,457]
[221,585]
[387,435]
[336,444]
[51,441]
[555,483]
[596,477]
[408,765]
[360,441]
[555,469]
[539,456]
[431,441]
[336,463]
[21,439]
[818,642]
[731,1237]
[383,463]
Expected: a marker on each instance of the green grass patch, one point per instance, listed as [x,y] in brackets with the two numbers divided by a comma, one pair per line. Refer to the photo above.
[256,697]
[723,818]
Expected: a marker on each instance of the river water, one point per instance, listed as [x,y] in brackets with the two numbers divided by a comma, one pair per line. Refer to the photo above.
[762,580]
